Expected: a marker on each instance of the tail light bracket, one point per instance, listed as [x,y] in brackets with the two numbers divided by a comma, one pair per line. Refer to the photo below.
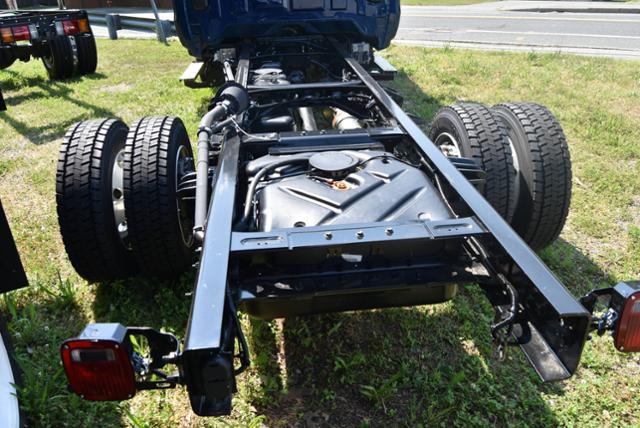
[103,364]
[621,297]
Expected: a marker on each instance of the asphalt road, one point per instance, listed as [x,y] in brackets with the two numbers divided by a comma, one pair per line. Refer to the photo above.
[490,26]
[505,25]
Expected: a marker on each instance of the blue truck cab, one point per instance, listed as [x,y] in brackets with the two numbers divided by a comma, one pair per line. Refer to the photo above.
[207,25]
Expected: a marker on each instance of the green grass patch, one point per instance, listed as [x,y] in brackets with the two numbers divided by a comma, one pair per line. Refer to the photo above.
[421,366]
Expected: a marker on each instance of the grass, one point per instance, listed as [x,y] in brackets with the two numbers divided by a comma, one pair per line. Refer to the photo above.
[421,366]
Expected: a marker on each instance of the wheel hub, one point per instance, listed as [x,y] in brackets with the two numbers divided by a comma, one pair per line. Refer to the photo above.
[184,165]
[448,145]
[117,195]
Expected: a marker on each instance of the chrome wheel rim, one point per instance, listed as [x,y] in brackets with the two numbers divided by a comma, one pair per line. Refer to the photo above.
[516,167]
[184,165]
[117,195]
[448,145]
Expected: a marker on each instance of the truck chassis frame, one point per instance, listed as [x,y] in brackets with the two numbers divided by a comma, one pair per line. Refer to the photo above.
[533,309]
[549,324]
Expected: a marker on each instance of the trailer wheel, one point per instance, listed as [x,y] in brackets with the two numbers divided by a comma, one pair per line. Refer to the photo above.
[58,60]
[158,155]
[543,171]
[89,196]
[471,130]
[87,53]
[6,58]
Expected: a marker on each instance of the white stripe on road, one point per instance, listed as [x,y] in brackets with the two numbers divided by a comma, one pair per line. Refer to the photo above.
[515,17]
[522,33]
[536,33]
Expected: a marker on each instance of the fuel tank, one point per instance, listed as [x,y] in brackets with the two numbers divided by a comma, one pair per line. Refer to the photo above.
[342,187]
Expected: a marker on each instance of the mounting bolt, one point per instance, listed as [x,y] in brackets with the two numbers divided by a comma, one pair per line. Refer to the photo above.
[388,231]
[328,236]
[359,234]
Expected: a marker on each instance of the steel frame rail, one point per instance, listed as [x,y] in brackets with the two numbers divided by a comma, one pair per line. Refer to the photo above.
[551,326]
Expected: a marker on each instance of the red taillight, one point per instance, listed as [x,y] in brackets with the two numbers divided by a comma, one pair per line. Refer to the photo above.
[98,369]
[70,27]
[21,32]
[627,334]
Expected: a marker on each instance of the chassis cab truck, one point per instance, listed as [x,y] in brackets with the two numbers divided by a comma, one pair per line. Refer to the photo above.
[311,190]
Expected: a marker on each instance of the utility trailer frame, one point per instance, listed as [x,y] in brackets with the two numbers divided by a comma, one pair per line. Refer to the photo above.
[533,309]
[29,33]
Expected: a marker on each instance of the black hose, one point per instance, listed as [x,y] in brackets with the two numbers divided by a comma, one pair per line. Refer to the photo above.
[248,203]
[202,168]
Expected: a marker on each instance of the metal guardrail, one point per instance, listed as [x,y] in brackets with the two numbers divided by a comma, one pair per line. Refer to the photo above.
[114,22]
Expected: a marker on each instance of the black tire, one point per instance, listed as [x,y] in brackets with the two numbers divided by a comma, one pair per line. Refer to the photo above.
[7,58]
[479,135]
[59,58]
[160,227]
[541,156]
[87,53]
[84,200]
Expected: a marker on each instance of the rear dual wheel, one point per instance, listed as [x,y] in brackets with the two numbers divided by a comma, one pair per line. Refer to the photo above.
[116,196]
[70,55]
[472,131]
[543,171]
[157,155]
[525,155]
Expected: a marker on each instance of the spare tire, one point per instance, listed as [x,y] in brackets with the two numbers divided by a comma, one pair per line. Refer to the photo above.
[543,171]
[472,131]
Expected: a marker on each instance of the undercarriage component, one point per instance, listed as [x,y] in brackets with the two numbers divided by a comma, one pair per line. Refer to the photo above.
[543,171]
[347,187]
[344,121]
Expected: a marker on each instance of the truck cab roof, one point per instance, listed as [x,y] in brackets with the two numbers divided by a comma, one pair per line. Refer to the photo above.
[204,26]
